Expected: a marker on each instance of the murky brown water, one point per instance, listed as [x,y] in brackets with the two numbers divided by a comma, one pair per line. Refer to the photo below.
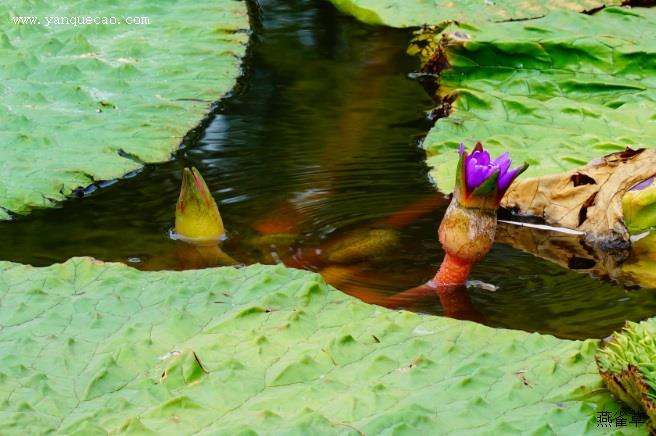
[315,161]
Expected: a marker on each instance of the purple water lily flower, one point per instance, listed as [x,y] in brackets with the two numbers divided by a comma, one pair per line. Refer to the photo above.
[481,176]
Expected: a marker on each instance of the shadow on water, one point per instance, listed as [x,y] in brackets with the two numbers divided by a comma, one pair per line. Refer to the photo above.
[310,161]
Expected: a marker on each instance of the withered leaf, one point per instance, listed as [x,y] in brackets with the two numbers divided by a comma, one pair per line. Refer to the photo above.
[588,198]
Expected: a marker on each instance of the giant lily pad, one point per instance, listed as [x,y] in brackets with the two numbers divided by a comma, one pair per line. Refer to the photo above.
[88,347]
[556,91]
[88,102]
[412,13]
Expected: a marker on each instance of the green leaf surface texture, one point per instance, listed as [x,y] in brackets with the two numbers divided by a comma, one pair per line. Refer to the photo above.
[89,102]
[89,348]
[556,92]
[413,13]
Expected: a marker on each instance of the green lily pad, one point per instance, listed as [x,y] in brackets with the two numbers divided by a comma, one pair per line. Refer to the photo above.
[89,347]
[413,13]
[556,91]
[88,102]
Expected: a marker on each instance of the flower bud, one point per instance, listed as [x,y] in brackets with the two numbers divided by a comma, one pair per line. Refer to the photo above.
[468,227]
[197,216]
[482,181]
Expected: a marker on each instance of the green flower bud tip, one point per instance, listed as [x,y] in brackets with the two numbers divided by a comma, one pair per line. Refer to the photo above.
[197,216]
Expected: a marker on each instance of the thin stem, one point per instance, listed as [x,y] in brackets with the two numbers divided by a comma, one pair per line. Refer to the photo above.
[453,272]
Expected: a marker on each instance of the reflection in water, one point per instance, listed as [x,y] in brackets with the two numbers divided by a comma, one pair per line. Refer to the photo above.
[457,304]
[454,300]
[631,268]
[640,268]
[316,147]
[198,256]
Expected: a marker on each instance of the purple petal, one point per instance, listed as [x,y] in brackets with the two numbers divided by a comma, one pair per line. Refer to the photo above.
[479,166]
[478,174]
[484,159]
[504,166]
[487,171]
[470,171]
[480,157]
[474,155]
[506,179]
[502,159]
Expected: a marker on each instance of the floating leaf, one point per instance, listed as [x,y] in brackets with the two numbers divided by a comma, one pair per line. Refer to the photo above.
[413,13]
[88,102]
[89,347]
[556,91]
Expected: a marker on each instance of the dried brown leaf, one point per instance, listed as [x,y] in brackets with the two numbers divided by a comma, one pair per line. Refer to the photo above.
[587,198]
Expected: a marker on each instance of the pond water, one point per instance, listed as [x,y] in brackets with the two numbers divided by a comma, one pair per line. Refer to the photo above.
[314,160]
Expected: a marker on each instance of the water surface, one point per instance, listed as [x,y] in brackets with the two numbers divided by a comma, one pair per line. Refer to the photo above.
[320,144]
